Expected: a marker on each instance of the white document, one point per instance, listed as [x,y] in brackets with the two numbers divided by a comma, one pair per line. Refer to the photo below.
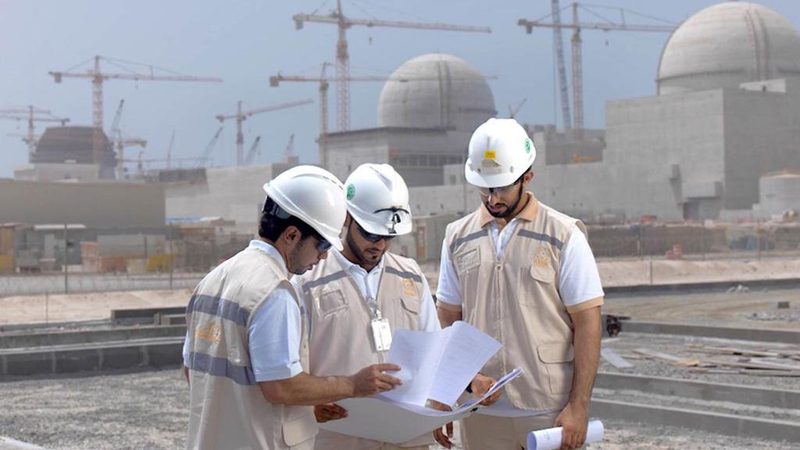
[438,365]
[385,420]
[550,439]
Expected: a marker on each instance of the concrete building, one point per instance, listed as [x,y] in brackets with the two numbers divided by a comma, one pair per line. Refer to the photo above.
[73,144]
[103,205]
[780,194]
[727,112]
[57,172]
[426,114]
[231,193]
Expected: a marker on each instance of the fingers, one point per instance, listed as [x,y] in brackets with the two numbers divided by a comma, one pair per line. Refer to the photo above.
[386,366]
[481,384]
[324,413]
[443,439]
[571,438]
[492,399]
[372,380]
[388,379]
[569,441]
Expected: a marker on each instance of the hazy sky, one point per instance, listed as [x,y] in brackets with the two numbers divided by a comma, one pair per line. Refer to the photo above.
[245,42]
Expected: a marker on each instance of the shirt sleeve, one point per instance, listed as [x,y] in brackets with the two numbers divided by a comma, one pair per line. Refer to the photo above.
[185,351]
[579,279]
[448,291]
[274,335]
[428,318]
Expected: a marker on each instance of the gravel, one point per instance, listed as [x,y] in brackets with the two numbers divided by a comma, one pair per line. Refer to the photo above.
[138,410]
[688,347]
[148,410]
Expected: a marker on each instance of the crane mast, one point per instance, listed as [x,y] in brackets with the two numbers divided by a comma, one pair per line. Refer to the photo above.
[343,22]
[97,77]
[577,53]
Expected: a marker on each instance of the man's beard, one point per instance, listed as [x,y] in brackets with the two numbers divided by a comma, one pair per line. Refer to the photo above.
[509,210]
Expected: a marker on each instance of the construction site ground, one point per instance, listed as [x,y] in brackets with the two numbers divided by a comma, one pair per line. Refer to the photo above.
[148,409]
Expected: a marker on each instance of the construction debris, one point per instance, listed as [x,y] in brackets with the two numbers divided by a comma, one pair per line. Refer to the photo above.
[614,358]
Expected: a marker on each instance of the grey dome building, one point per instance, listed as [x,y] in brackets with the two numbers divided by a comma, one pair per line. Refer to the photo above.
[427,112]
[435,91]
[727,112]
[726,45]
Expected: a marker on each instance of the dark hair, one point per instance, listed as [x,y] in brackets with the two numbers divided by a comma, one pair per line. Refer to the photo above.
[274,221]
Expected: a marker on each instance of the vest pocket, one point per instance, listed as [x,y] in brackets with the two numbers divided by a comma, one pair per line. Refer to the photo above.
[545,275]
[330,302]
[410,304]
[468,260]
[542,265]
[557,359]
[299,430]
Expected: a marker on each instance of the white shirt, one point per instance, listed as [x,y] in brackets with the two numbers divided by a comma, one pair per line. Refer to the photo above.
[274,332]
[578,280]
[369,282]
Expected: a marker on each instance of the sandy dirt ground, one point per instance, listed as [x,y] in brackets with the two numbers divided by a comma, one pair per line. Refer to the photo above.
[148,410]
[739,308]
[79,307]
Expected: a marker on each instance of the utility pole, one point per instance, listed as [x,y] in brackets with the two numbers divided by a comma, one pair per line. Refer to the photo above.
[66,263]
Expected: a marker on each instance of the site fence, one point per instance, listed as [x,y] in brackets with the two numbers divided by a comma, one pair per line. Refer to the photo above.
[70,259]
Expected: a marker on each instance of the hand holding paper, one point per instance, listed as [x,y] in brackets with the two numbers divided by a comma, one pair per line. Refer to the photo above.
[550,439]
[435,365]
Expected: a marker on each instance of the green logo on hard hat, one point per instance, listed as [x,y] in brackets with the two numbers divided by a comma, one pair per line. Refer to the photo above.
[351,191]
[528,145]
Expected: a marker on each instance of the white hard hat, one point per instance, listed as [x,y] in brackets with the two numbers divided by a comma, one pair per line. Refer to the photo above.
[313,195]
[377,198]
[499,152]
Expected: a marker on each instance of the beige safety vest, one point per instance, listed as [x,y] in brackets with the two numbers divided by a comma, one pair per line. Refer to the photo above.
[227,407]
[340,341]
[515,299]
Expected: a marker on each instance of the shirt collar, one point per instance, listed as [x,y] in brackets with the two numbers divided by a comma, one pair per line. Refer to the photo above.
[272,252]
[352,267]
[527,214]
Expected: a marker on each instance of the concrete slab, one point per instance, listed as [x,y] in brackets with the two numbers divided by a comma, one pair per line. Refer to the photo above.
[723,392]
[743,334]
[727,424]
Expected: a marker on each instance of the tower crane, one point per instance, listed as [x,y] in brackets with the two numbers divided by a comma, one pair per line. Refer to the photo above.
[29,114]
[324,83]
[98,77]
[211,144]
[141,162]
[121,142]
[338,18]
[241,116]
[514,108]
[251,154]
[288,153]
[577,60]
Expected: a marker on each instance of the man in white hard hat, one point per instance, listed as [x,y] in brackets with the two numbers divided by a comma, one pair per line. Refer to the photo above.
[358,296]
[246,349]
[523,273]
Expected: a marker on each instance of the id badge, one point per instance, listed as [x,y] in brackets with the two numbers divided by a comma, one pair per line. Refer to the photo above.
[381,334]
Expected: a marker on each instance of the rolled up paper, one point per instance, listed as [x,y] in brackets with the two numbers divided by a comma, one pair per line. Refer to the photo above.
[550,439]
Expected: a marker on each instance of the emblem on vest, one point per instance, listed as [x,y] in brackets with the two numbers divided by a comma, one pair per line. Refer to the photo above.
[211,333]
[542,257]
[408,288]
